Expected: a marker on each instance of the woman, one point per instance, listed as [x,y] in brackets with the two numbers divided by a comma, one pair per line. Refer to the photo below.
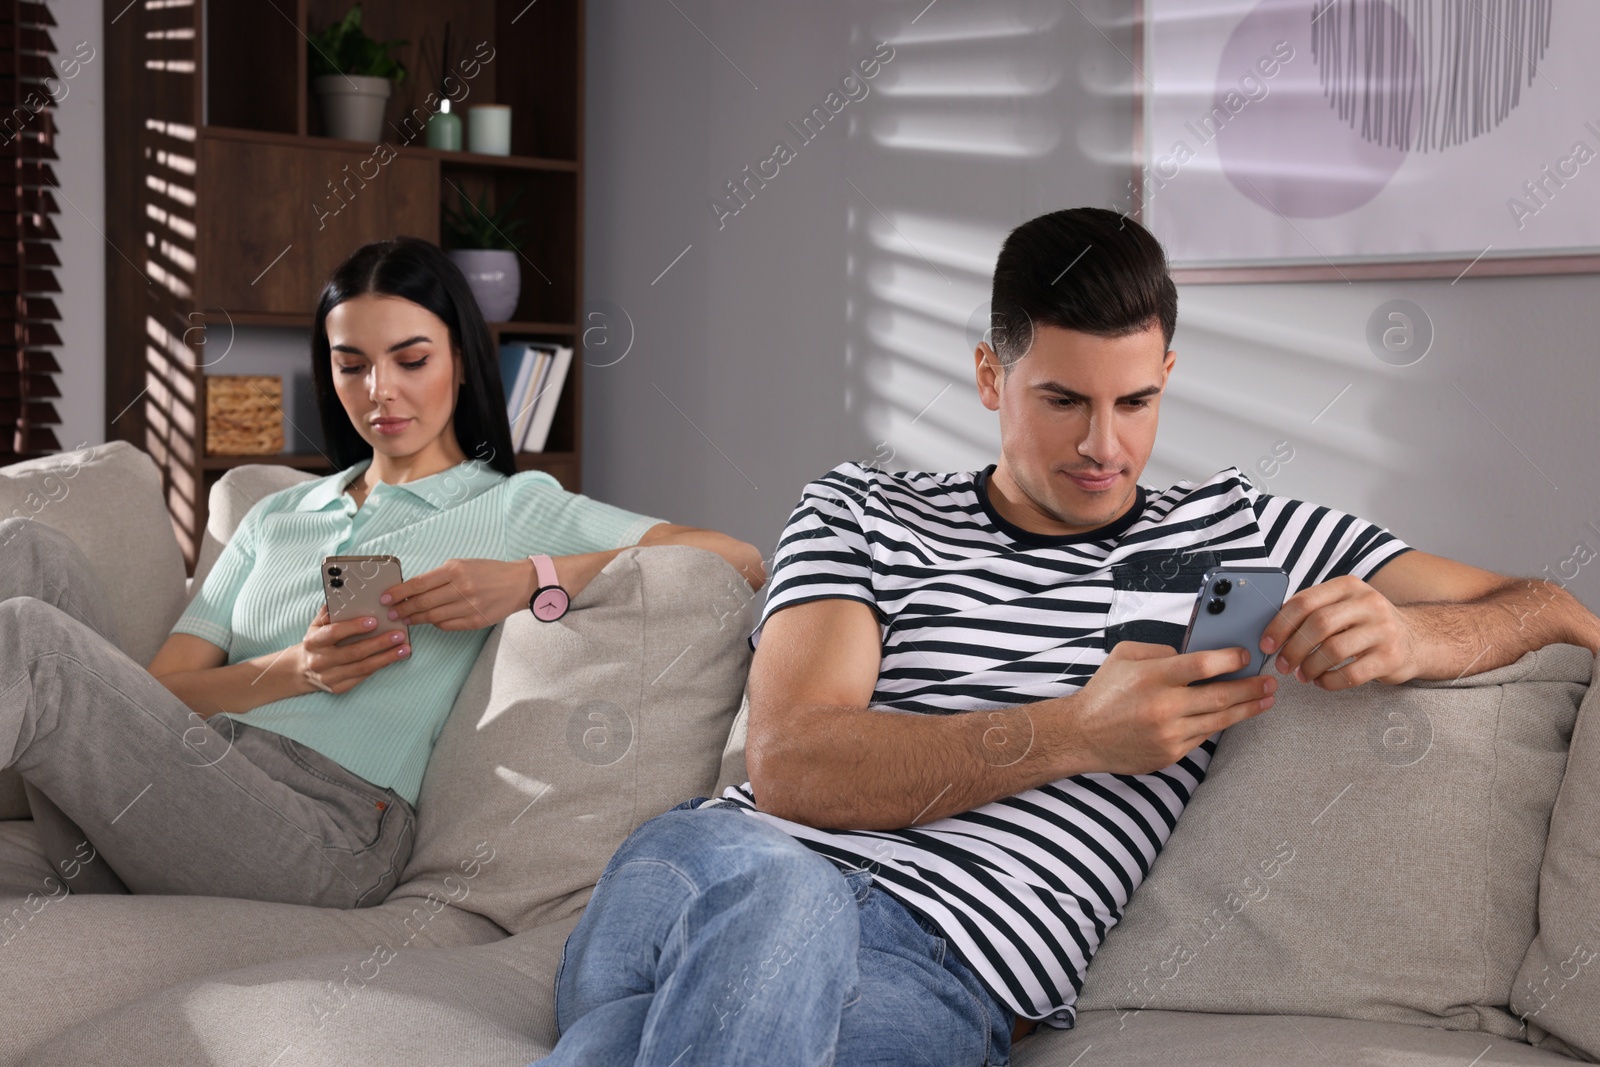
[257,757]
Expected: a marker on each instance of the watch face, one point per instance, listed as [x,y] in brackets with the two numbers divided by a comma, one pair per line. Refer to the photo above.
[550,603]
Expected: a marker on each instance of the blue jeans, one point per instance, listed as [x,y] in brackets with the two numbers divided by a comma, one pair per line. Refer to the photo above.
[716,938]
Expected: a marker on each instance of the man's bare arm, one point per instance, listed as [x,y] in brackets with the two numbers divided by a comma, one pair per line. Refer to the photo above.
[1422,616]
[818,755]
[1474,620]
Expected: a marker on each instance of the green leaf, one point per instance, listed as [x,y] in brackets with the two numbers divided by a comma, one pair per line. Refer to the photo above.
[345,48]
[480,225]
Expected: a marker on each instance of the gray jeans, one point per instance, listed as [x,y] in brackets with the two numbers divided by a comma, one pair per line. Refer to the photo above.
[133,791]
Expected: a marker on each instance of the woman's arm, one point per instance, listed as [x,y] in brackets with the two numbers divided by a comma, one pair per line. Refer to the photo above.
[191,667]
[576,571]
[744,557]
[470,594]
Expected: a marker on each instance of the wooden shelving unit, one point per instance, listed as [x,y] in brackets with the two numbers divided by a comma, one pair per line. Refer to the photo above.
[229,207]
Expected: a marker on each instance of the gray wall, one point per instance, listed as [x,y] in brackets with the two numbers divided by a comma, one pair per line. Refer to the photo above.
[816,324]
[819,323]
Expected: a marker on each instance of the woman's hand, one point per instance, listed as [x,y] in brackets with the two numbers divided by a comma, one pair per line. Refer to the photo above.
[322,664]
[464,594]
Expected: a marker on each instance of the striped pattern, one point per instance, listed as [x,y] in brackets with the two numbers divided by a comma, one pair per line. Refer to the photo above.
[976,613]
[266,587]
[1423,75]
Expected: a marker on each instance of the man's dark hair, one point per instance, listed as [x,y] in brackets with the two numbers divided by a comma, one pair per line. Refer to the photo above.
[1083,268]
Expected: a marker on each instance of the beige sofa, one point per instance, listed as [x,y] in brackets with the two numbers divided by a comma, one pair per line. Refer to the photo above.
[1364,878]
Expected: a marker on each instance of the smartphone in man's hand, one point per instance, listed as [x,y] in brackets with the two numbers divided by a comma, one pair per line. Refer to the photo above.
[1232,610]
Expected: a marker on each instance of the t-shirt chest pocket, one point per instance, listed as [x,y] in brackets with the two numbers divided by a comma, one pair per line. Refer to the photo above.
[1152,597]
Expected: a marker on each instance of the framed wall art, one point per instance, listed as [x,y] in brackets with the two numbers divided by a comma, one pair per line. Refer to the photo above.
[1282,140]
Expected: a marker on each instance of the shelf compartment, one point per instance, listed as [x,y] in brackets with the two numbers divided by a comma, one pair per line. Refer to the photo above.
[548,248]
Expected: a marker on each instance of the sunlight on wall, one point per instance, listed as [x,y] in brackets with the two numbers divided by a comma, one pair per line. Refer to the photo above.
[965,89]
[1015,102]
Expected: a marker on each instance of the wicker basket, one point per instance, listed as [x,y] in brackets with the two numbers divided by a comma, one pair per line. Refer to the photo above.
[244,414]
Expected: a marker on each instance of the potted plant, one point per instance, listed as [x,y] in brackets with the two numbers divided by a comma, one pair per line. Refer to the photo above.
[352,76]
[484,245]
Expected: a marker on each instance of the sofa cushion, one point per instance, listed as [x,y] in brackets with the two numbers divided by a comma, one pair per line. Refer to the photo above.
[135,558]
[568,735]
[414,1007]
[1557,991]
[24,867]
[1109,1039]
[13,797]
[70,957]
[1367,854]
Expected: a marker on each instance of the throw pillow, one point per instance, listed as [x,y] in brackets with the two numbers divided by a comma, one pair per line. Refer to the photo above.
[1366,854]
[568,735]
[108,500]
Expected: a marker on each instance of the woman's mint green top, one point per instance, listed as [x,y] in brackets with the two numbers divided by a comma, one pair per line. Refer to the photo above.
[266,588]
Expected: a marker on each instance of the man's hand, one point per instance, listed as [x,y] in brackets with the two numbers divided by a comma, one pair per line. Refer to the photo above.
[463,594]
[1138,713]
[1337,620]
[320,662]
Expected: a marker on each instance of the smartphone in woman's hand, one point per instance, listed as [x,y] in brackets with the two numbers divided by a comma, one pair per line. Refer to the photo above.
[353,585]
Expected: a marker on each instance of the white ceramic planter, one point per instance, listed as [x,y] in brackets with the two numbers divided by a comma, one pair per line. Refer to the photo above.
[495,279]
[352,106]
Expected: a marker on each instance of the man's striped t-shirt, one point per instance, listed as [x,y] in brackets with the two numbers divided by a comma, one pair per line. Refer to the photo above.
[976,613]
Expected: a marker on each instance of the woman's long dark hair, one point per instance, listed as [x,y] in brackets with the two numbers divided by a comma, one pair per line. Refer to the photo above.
[416,270]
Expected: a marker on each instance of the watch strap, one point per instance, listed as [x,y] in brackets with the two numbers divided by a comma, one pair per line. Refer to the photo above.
[545,568]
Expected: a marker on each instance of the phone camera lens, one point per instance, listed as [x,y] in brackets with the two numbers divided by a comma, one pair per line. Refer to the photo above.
[337,583]
[1222,586]
[1216,606]
[334,572]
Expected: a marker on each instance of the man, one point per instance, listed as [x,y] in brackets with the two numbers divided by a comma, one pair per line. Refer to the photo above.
[970,728]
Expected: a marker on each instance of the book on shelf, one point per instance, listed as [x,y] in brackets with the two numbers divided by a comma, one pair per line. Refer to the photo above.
[514,379]
[539,358]
[512,371]
[519,369]
[533,373]
[547,399]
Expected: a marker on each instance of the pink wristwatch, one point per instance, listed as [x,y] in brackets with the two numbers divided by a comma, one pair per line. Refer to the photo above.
[549,602]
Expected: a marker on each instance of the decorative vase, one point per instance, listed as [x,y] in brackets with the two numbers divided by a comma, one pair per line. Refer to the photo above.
[352,106]
[495,279]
